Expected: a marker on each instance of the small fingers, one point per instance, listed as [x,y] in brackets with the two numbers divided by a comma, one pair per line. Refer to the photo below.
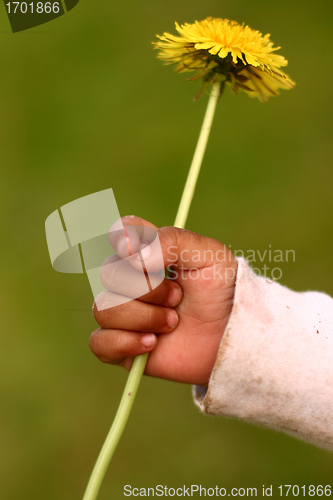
[133,315]
[114,346]
[168,293]
[127,234]
[123,279]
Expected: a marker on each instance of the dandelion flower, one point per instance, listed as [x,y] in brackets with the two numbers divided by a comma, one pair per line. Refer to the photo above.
[225,51]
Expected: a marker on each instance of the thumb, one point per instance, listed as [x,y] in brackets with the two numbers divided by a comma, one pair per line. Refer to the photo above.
[189,250]
[168,246]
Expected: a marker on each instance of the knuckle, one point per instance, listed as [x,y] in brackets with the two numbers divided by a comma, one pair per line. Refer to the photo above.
[149,318]
[167,236]
[107,349]
[94,341]
[119,348]
[95,312]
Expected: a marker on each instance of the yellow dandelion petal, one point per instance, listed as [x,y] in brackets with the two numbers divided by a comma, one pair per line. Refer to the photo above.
[224,50]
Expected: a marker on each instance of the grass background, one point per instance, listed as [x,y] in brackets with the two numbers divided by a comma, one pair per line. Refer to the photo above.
[84,106]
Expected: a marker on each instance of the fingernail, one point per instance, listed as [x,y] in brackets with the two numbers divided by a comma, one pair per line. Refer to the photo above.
[145,251]
[174,297]
[148,340]
[172,318]
[123,247]
[143,254]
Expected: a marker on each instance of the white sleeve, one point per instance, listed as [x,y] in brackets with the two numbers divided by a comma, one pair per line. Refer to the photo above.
[275,363]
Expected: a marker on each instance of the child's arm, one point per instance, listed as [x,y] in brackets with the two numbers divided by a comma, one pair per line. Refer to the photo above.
[264,352]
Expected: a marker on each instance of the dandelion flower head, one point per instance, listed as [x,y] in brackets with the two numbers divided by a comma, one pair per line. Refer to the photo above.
[223,50]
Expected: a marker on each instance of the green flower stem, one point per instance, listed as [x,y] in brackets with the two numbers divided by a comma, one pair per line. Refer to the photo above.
[140,362]
[118,426]
[193,174]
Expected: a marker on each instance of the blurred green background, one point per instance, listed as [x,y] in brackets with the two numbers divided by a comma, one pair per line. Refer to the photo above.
[84,106]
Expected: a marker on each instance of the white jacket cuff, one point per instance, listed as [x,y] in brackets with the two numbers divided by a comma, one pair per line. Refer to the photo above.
[275,363]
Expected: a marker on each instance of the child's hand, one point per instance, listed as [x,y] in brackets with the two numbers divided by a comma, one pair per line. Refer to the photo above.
[187,314]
